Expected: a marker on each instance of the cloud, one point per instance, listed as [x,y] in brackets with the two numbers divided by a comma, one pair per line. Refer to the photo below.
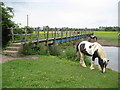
[66,13]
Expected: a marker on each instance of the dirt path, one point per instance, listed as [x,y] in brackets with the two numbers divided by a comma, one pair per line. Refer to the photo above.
[8,58]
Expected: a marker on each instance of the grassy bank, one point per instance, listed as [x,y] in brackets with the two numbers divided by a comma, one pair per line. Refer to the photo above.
[53,72]
[107,37]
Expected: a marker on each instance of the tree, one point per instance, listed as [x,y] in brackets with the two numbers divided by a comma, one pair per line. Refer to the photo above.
[7,23]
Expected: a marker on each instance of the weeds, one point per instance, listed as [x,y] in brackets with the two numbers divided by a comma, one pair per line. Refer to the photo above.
[65,50]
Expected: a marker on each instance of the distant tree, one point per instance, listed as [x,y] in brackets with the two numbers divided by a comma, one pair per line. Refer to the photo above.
[108,29]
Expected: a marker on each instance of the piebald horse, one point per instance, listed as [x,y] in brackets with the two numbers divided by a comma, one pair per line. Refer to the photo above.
[96,51]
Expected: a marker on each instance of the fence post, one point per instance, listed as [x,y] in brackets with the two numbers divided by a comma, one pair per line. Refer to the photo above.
[37,32]
[12,33]
[44,32]
[25,35]
[47,36]
[55,36]
[52,33]
[61,35]
[66,34]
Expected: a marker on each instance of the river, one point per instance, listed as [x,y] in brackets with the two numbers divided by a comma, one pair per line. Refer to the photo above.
[113,56]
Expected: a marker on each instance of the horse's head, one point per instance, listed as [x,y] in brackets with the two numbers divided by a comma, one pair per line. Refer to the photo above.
[103,64]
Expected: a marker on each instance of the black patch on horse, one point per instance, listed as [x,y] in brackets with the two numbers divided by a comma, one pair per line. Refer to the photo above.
[77,49]
[95,55]
[83,50]
[101,63]
[90,46]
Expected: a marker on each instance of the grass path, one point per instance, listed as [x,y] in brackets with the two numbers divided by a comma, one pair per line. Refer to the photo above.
[52,72]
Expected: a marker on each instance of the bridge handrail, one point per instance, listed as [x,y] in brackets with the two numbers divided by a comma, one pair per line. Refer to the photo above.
[44,35]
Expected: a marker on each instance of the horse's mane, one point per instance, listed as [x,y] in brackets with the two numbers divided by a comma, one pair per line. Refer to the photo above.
[101,51]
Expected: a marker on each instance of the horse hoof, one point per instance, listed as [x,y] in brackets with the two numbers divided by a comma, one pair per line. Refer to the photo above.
[84,66]
[92,68]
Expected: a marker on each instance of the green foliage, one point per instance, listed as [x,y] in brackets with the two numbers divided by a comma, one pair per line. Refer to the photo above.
[55,50]
[42,49]
[70,53]
[29,30]
[32,49]
[7,15]
[28,49]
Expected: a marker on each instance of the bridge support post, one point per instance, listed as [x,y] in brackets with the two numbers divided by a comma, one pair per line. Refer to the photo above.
[37,31]
[25,35]
[61,35]
[12,33]
[47,37]
[54,37]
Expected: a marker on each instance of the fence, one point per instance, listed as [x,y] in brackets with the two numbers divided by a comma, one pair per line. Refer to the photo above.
[45,34]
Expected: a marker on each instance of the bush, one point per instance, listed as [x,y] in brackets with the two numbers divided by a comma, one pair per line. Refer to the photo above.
[42,49]
[28,49]
[55,50]
[32,49]
[70,53]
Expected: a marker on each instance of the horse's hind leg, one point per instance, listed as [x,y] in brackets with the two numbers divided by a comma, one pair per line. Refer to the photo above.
[82,63]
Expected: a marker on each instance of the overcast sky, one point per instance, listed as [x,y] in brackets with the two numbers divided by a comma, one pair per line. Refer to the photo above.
[65,13]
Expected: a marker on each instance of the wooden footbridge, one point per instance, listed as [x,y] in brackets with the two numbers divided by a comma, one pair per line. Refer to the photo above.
[43,36]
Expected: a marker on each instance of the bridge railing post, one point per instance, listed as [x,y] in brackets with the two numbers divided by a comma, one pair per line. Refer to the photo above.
[44,33]
[12,34]
[66,34]
[52,33]
[37,32]
[54,36]
[47,37]
[25,35]
[61,34]
[70,33]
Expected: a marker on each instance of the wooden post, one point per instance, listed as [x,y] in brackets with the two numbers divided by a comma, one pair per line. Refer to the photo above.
[44,33]
[37,32]
[25,35]
[12,33]
[61,35]
[47,36]
[74,32]
[66,34]
[55,36]
[52,34]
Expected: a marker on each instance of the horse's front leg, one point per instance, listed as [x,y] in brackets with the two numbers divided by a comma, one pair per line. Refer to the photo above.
[82,63]
[92,63]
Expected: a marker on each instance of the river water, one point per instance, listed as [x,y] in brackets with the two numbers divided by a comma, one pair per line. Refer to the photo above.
[113,56]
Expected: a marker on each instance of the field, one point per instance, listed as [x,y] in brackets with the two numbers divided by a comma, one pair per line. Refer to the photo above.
[53,72]
[107,37]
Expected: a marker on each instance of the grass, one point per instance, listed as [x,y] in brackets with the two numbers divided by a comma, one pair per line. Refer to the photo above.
[109,36]
[53,72]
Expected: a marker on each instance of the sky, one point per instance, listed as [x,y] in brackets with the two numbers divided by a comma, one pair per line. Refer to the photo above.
[65,13]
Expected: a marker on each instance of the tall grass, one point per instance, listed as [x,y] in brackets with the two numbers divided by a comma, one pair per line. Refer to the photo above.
[33,49]
[66,50]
